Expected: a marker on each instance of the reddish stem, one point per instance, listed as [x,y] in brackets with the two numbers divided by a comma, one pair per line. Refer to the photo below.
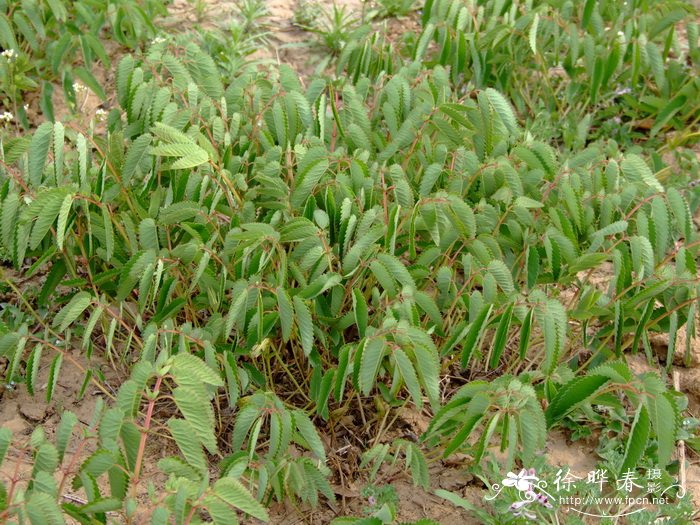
[144,433]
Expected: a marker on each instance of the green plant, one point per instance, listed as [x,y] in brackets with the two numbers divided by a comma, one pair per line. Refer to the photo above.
[58,41]
[383,455]
[111,449]
[505,406]
[276,257]
[396,7]
[603,68]
[332,29]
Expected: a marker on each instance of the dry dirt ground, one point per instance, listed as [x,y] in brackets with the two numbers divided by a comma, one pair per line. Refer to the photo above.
[22,412]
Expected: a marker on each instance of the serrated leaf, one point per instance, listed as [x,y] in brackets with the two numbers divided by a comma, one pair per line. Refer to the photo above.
[188,443]
[408,375]
[637,441]
[190,154]
[635,168]
[33,363]
[39,151]
[474,334]
[311,168]
[198,413]
[54,371]
[63,220]
[188,370]
[503,109]
[501,336]
[138,151]
[286,313]
[304,324]
[532,35]
[236,495]
[371,359]
[71,311]
[664,419]
[573,394]
[308,432]
[64,431]
[5,439]
[42,509]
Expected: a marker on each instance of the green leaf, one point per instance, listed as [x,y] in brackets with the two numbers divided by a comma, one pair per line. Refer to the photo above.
[90,81]
[188,443]
[476,331]
[503,109]
[54,371]
[71,311]
[286,313]
[39,151]
[45,208]
[304,324]
[198,413]
[58,144]
[42,509]
[572,394]
[311,168]
[409,376]
[190,155]
[33,363]
[109,233]
[370,361]
[664,419]
[5,439]
[98,463]
[637,441]
[525,331]
[359,306]
[501,336]
[188,370]
[532,35]
[635,168]
[237,496]
[502,275]
[66,206]
[135,156]
[308,432]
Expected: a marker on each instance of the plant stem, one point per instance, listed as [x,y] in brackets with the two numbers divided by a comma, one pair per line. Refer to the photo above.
[144,434]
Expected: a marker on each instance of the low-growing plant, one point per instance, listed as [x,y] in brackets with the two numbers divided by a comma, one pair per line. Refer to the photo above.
[604,69]
[332,28]
[395,7]
[58,42]
[111,449]
[268,258]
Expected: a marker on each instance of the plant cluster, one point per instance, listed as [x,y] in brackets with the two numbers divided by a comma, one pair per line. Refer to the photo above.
[53,42]
[603,69]
[267,257]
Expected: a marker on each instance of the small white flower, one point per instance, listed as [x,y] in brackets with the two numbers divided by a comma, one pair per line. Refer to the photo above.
[7,117]
[27,199]
[158,40]
[78,87]
[10,54]
[101,114]
[26,107]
